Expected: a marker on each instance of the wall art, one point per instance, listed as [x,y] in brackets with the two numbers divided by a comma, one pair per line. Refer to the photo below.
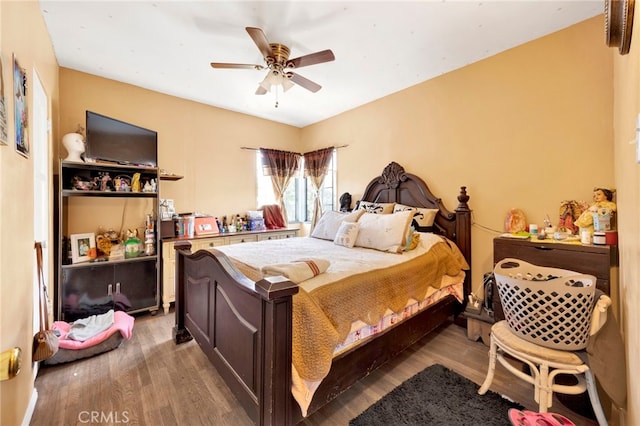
[20,108]
[3,108]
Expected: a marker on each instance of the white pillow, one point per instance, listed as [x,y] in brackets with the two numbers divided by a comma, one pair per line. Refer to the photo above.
[330,221]
[423,217]
[385,232]
[380,208]
[347,234]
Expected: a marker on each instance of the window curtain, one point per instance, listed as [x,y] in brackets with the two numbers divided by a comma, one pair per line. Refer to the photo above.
[282,166]
[316,165]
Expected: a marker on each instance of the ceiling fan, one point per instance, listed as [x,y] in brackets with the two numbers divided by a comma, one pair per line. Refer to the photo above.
[276,57]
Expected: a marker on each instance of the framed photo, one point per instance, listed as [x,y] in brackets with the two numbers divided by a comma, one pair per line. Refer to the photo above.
[21,116]
[83,247]
[3,107]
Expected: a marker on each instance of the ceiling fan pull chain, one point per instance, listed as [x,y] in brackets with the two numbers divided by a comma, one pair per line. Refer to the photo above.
[276,89]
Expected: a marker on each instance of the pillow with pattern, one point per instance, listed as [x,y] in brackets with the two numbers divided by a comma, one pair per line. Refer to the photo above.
[379,208]
[412,240]
[347,234]
[330,221]
[422,218]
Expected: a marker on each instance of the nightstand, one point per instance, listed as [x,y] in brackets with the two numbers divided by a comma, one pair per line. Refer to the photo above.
[600,261]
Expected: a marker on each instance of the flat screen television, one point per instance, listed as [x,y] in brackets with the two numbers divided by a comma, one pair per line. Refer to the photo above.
[113,140]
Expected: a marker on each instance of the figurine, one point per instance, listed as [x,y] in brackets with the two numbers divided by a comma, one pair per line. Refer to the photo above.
[602,202]
[135,183]
[74,144]
[104,182]
[345,202]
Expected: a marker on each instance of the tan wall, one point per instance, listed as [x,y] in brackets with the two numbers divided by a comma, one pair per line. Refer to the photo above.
[626,83]
[200,142]
[23,33]
[527,128]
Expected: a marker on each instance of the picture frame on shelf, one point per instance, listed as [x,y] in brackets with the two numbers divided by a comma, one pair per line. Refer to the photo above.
[83,247]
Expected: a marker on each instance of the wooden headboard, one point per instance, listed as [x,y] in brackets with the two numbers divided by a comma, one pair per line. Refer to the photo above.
[395,185]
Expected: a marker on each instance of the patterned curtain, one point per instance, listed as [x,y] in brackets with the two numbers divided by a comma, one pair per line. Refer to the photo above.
[316,165]
[282,166]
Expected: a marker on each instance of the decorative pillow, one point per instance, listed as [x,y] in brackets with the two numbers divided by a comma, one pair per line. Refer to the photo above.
[412,241]
[385,232]
[423,217]
[379,208]
[330,221]
[347,234]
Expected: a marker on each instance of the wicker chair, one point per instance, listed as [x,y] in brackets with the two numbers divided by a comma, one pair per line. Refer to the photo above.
[550,314]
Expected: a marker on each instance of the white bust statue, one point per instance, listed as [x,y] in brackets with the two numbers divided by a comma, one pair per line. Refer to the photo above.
[74,144]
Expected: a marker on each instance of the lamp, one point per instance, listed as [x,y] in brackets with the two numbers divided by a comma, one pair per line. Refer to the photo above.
[274,78]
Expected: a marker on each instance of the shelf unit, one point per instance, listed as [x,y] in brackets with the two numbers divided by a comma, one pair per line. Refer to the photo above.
[94,287]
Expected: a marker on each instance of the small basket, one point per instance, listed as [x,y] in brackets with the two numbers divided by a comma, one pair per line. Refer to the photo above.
[547,306]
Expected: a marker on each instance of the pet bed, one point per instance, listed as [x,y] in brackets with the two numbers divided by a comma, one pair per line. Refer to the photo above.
[109,339]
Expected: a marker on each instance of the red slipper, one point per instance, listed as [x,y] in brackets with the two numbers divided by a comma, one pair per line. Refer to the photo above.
[532,418]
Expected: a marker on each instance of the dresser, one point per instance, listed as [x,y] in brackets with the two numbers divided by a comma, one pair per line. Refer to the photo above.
[206,242]
[600,261]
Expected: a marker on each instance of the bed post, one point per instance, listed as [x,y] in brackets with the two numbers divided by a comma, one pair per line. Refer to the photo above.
[180,333]
[275,401]
[463,234]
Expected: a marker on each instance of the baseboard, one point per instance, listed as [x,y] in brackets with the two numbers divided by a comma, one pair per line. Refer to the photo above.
[31,408]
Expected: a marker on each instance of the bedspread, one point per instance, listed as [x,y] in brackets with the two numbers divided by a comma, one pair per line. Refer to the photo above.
[323,314]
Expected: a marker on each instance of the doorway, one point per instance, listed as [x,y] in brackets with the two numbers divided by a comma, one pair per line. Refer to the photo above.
[42,216]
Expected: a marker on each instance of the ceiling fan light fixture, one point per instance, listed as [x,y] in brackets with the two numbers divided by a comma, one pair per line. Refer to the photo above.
[286,83]
[276,78]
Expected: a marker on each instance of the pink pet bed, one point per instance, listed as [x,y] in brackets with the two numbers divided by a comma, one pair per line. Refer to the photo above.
[72,350]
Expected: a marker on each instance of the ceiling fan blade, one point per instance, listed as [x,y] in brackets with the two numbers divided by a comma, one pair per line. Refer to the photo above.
[304,82]
[260,40]
[240,66]
[261,90]
[311,59]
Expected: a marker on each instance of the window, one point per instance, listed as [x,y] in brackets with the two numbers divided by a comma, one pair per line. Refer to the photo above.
[298,198]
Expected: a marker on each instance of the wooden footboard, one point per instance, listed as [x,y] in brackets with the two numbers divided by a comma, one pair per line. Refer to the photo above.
[244,328]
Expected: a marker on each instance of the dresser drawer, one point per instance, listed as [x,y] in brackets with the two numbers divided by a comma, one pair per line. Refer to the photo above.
[239,239]
[207,243]
[592,260]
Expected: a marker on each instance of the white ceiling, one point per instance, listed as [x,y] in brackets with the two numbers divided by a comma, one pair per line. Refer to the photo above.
[380,47]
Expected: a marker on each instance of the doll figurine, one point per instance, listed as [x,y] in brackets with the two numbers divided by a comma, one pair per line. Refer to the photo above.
[602,200]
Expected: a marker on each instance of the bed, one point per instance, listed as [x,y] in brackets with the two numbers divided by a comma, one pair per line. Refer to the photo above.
[246,326]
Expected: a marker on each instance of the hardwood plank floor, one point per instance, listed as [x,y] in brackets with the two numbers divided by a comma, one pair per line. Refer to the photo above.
[149,380]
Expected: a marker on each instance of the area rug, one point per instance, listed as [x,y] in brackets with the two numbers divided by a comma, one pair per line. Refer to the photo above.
[437,396]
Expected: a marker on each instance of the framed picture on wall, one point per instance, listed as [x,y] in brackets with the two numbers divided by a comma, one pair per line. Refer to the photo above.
[83,247]
[20,108]
[3,107]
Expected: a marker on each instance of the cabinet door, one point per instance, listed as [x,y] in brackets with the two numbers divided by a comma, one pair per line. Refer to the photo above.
[86,291]
[135,286]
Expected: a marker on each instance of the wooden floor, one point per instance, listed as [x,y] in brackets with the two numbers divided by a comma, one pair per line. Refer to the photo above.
[149,380]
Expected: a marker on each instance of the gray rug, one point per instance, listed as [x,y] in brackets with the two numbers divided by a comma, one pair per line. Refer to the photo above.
[437,396]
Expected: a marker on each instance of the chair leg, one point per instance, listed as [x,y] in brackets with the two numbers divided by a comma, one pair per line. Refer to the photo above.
[594,398]
[492,368]
[544,388]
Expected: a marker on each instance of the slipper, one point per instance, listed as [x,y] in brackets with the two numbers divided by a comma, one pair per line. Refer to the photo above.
[532,418]
[557,419]
[527,418]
